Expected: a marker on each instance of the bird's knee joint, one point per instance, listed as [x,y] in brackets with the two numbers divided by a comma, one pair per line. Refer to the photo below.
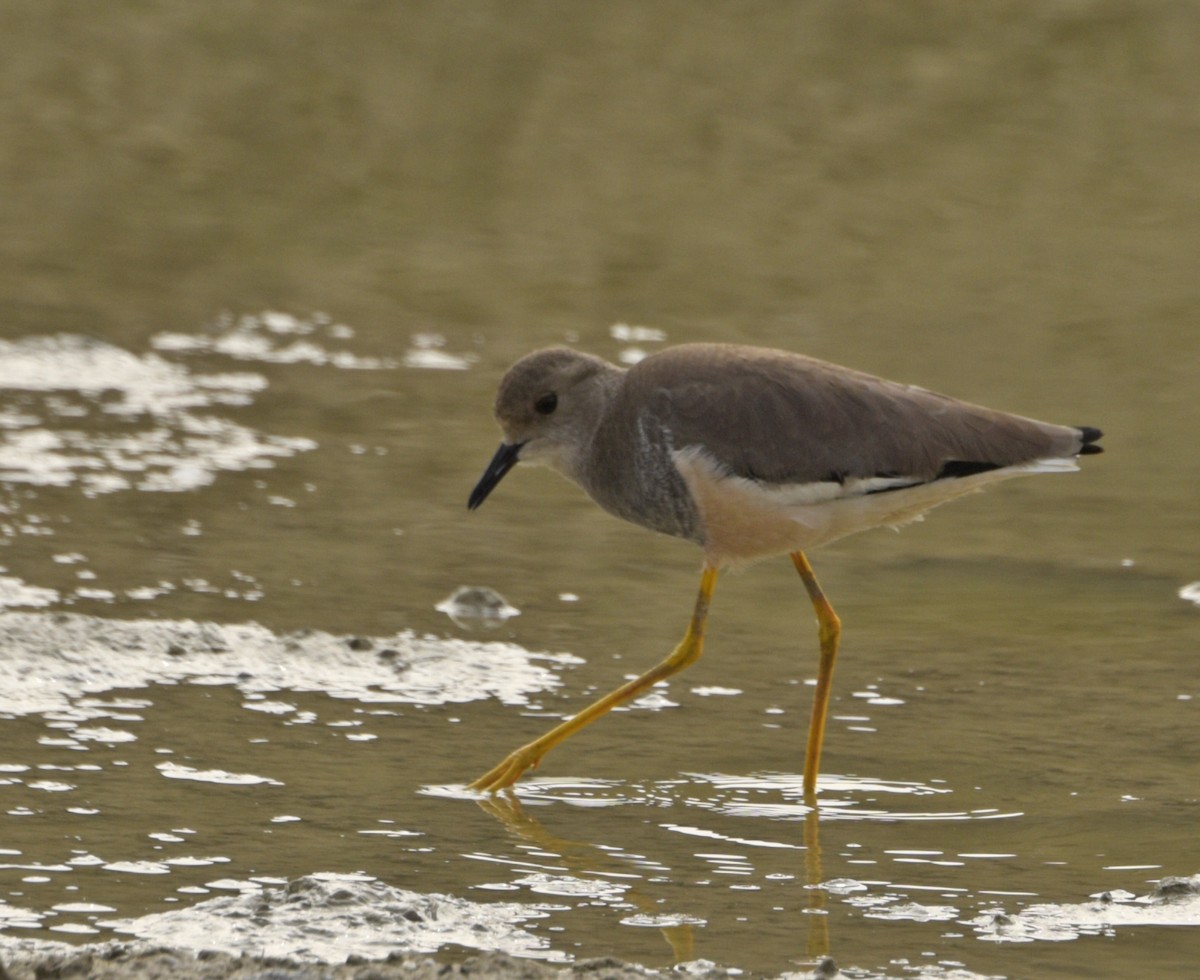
[686,654]
[831,630]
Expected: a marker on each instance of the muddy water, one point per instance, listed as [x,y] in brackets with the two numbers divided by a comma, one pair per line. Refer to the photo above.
[262,271]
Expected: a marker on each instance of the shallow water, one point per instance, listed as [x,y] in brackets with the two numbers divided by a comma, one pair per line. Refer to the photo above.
[233,712]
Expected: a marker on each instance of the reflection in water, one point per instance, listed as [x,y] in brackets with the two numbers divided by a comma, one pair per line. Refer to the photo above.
[591,870]
[818,925]
[608,878]
[585,859]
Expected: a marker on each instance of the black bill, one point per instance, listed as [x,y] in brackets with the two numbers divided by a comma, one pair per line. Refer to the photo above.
[504,460]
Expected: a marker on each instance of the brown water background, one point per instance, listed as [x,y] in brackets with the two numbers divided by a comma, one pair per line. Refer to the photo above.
[998,201]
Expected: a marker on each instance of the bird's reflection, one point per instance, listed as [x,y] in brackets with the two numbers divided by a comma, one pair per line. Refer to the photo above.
[585,859]
[818,919]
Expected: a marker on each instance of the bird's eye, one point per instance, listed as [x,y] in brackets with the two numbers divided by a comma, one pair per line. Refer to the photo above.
[546,404]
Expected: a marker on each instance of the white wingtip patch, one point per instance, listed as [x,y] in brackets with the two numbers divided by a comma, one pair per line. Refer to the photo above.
[1055,464]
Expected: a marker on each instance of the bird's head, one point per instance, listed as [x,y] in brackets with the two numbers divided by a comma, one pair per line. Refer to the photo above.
[548,405]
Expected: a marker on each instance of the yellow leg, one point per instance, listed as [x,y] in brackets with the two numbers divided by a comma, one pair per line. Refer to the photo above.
[528,756]
[830,630]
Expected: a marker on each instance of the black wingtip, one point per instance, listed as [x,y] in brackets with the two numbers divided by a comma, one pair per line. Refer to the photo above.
[1089,436]
[957,468]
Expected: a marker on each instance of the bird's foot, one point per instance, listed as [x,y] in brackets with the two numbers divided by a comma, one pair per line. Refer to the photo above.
[509,771]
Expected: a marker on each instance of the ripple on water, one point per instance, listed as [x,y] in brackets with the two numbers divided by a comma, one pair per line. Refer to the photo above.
[777,796]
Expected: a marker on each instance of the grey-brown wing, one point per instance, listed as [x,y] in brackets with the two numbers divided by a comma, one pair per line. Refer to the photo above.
[783,418]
